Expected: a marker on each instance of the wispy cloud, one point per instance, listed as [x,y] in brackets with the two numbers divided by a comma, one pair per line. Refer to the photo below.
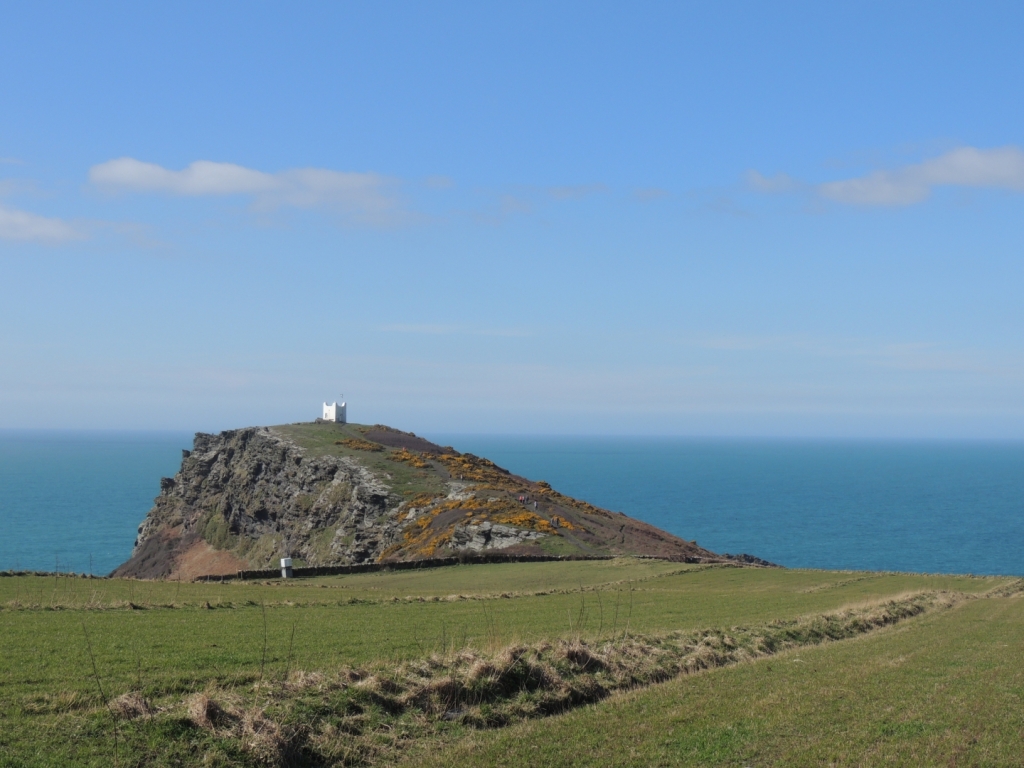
[524,200]
[509,204]
[16,187]
[439,182]
[11,161]
[575,191]
[1000,168]
[780,182]
[30,227]
[447,330]
[366,197]
[727,205]
[506,206]
[647,194]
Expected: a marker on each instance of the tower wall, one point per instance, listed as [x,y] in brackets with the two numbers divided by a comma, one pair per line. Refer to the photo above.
[336,412]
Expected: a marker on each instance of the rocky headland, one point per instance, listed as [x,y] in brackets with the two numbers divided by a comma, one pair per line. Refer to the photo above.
[338,494]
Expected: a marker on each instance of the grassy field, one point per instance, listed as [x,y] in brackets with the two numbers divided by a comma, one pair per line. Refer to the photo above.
[944,689]
[353,669]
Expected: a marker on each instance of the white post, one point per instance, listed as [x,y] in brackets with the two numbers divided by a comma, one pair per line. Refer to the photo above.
[286,568]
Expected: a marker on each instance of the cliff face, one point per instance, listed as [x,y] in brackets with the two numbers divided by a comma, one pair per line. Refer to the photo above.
[331,494]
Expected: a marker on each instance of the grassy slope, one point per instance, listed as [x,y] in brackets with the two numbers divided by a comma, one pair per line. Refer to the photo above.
[174,645]
[407,480]
[419,473]
[321,440]
[944,689]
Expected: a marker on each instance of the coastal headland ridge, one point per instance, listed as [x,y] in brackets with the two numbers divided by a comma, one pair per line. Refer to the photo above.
[329,494]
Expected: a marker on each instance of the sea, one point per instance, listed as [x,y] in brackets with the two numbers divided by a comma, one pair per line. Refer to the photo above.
[72,501]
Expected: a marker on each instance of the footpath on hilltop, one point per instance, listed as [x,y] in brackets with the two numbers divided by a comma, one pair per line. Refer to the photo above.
[330,494]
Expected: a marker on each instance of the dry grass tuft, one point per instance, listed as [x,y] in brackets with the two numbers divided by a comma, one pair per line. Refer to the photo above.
[580,655]
[481,669]
[130,706]
[380,684]
[436,696]
[704,656]
[300,680]
[545,676]
[349,675]
[258,735]
[261,738]
[507,657]
[1013,589]
[205,712]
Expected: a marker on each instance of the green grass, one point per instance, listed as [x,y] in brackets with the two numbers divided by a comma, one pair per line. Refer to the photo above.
[943,689]
[48,591]
[171,644]
[320,440]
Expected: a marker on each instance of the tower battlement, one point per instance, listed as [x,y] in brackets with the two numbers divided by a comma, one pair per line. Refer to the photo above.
[335,412]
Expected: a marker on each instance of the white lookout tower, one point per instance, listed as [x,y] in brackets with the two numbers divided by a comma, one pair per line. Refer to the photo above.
[335,412]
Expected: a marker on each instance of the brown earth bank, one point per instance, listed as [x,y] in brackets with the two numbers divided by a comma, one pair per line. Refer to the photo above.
[339,494]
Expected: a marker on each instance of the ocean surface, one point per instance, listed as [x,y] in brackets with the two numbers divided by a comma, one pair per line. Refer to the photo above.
[73,501]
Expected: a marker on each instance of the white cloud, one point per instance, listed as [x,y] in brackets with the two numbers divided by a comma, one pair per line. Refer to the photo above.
[1000,168]
[200,178]
[30,227]
[364,196]
[780,182]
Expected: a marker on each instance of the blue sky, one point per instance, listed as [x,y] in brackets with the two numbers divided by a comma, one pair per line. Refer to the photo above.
[789,219]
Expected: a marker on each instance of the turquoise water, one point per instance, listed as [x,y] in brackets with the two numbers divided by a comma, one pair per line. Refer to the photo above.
[952,507]
[929,506]
[66,497]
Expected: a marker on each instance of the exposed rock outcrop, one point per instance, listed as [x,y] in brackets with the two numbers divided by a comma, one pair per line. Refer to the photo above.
[490,536]
[255,493]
